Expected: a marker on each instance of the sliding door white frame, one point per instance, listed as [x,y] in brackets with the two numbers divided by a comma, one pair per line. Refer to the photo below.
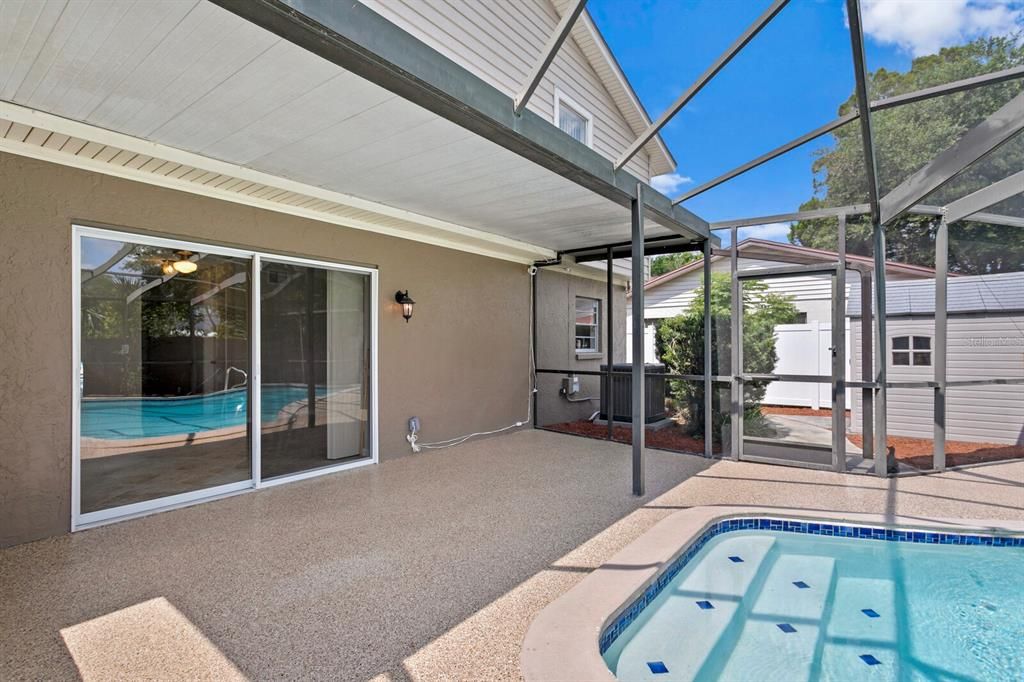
[80,520]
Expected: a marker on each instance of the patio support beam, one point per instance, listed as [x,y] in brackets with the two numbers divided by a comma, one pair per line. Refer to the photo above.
[976,143]
[871,168]
[609,392]
[547,55]
[983,198]
[708,385]
[866,367]
[941,339]
[359,40]
[735,354]
[877,105]
[703,80]
[839,353]
[637,368]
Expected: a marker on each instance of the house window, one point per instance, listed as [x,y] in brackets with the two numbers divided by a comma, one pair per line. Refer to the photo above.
[913,351]
[588,325]
[573,119]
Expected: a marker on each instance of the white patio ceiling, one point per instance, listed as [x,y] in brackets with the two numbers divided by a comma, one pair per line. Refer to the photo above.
[234,109]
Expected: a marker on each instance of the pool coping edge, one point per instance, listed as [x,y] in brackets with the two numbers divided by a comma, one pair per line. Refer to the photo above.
[563,641]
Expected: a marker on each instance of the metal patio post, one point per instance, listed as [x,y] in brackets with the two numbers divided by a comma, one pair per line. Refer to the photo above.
[637,374]
[709,428]
[735,354]
[609,378]
[839,354]
[941,337]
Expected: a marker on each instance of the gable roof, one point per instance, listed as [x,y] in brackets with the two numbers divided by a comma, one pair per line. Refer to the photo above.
[789,253]
[589,39]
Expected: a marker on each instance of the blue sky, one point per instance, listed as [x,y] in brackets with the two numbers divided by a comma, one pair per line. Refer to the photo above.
[790,79]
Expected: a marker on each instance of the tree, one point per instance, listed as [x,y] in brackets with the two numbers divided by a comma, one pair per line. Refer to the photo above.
[673,261]
[906,139]
[680,345]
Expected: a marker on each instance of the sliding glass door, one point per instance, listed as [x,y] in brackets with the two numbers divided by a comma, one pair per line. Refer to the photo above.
[170,340]
[315,367]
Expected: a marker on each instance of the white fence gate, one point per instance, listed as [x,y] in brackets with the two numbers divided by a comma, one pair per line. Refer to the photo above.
[804,349]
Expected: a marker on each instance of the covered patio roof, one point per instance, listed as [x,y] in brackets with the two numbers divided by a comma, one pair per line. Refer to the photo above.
[326,110]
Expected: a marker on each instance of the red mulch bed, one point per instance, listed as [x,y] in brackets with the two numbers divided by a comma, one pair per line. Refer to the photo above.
[917,452]
[801,411]
[668,437]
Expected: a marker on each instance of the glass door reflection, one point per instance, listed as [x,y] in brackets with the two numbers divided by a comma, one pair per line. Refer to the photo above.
[315,366]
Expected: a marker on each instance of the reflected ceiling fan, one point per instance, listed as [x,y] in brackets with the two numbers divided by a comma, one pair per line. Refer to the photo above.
[183,265]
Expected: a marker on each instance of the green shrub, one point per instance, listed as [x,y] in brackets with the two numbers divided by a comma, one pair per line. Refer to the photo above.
[680,345]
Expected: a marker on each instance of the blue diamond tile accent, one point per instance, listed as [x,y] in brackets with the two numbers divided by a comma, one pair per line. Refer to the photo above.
[786,627]
[705,605]
[870,613]
[801,584]
[869,659]
[736,559]
[657,667]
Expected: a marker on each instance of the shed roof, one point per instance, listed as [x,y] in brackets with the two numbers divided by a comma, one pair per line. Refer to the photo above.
[1001,293]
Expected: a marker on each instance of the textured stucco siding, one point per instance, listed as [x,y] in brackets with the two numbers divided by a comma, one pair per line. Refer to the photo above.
[556,300]
[461,364]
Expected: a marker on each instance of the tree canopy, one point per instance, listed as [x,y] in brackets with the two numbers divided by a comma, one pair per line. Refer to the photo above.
[673,261]
[906,139]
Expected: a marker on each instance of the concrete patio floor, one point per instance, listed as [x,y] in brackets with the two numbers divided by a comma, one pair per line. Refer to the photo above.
[429,567]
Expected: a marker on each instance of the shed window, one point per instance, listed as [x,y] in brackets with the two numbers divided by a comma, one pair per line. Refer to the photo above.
[572,119]
[588,325]
[913,351]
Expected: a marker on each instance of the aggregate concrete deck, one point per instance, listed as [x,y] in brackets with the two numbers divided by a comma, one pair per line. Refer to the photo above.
[428,567]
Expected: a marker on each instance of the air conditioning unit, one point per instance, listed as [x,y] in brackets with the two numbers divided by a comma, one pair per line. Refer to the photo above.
[622,393]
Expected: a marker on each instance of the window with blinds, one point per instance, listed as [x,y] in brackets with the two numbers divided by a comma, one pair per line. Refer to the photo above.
[588,325]
[572,119]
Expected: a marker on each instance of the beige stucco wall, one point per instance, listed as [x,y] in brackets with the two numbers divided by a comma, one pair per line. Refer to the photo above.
[556,301]
[461,364]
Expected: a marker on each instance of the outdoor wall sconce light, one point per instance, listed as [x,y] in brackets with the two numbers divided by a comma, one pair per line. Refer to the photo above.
[407,303]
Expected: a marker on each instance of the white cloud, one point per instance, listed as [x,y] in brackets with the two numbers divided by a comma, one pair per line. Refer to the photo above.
[775,232]
[921,27]
[670,183]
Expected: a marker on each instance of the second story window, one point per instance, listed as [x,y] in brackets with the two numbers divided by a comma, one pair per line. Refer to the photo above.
[573,119]
[588,325]
[914,351]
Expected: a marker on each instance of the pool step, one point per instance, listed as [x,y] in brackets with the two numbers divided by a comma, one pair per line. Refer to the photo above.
[676,630]
[852,633]
[780,638]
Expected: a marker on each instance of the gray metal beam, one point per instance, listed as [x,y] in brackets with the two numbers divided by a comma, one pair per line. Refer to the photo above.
[609,324]
[860,73]
[708,388]
[941,339]
[855,209]
[866,367]
[881,394]
[701,81]
[983,198]
[637,368]
[766,157]
[979,141]
[359,40]
[948,88]
[877,105]
[736,355]
[839,352]
[547,55]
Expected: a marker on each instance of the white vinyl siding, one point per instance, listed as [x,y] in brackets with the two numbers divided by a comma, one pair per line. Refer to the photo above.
[499,42]
[981,346]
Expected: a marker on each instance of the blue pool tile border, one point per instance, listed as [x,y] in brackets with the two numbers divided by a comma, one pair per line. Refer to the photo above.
[625,617]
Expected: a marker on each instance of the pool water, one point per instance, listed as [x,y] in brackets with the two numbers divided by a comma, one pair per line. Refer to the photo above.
[755,606]
[125,418]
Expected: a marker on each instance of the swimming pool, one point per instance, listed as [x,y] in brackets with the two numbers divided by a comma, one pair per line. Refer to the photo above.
[129,418]
[768,599]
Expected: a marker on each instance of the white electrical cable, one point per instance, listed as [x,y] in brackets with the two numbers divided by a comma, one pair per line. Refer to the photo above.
[459,440]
